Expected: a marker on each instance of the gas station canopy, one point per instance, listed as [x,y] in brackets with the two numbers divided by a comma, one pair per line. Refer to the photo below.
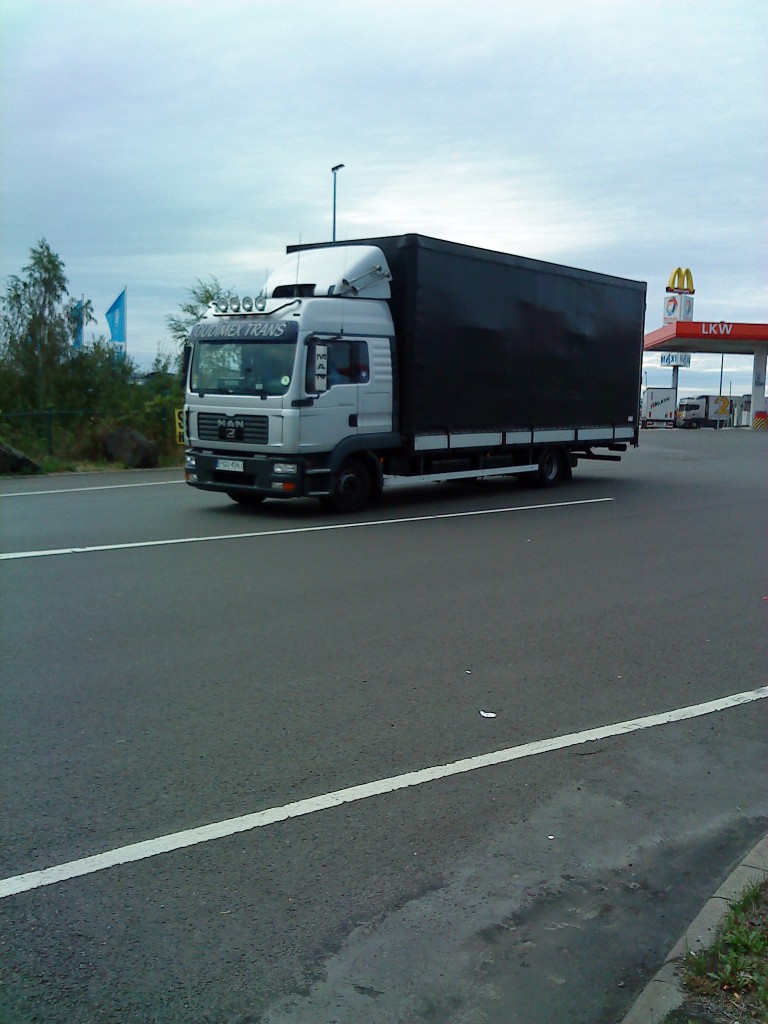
[720,337]
[703,336]
[681,333]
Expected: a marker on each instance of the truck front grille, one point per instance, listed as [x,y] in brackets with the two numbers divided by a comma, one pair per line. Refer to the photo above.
[214,426]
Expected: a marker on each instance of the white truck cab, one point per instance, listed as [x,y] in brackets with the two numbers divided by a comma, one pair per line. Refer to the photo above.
[291,375]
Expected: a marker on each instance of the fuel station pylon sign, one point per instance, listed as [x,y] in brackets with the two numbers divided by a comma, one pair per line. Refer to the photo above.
[678,304]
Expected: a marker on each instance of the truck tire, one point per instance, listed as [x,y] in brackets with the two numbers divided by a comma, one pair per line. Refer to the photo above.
[352,488]
[551,467]
[246,499]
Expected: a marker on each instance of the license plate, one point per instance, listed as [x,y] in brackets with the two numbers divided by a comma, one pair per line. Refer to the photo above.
[230,465]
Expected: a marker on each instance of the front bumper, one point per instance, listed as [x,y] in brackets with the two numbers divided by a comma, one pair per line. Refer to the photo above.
[246,474]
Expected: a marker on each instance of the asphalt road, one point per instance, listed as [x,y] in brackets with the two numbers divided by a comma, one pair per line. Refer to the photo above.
[171,660]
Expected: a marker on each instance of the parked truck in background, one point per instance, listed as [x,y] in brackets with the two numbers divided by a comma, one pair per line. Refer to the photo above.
[658,407]
[704,411]
[404,357]
[741,410]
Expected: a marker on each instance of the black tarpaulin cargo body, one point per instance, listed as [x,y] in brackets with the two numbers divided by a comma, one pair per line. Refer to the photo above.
[491,341]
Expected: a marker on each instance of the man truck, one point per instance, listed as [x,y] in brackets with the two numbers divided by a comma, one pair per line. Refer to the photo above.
[368,362]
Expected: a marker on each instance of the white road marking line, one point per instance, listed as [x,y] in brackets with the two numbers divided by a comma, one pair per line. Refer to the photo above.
[9,555]
[98,487]
[221,829]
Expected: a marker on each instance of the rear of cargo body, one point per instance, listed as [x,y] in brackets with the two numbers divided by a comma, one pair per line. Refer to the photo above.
[658,407]
[488,341]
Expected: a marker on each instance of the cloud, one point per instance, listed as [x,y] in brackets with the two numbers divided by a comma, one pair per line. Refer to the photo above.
[154,143]
[513,207]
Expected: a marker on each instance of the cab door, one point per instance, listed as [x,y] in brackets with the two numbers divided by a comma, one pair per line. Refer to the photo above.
[333,414]
[376,401]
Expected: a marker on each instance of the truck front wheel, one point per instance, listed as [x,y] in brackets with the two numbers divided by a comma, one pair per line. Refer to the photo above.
[352,488]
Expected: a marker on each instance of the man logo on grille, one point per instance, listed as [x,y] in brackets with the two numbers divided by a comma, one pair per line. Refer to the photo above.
[231,428]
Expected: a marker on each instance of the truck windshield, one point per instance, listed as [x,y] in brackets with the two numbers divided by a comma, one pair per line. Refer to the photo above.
[242,367]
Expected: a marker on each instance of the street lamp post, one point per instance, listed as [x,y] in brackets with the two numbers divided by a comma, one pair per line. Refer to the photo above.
[334,172]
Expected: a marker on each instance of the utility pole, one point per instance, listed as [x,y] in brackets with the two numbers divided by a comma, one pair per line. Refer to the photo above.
[334,172]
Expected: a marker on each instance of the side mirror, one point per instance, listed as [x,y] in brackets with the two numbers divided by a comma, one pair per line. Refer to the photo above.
[185,358]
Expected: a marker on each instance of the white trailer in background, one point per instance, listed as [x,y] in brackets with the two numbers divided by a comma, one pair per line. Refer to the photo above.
[658,407]
[741,410]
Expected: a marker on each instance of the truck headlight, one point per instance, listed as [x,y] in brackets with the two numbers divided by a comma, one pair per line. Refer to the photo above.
[189,461]
[285,468]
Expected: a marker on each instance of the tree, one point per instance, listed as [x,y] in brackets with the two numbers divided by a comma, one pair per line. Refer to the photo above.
[80,313]
[201,295]
[38,323]
[95,378]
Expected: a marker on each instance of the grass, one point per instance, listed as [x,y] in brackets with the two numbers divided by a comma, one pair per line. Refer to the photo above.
[729,981]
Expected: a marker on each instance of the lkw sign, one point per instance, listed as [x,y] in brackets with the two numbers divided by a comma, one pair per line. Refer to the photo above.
[739,332]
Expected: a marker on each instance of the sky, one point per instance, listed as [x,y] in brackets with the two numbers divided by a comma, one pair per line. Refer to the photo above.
[154,144]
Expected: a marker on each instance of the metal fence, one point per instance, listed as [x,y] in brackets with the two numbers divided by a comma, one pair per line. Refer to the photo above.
[42,425]
[79,433]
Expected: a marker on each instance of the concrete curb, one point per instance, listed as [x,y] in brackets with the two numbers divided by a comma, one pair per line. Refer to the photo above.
[664,992]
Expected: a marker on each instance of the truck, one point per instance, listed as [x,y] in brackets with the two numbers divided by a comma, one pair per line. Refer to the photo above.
[741,410]
[704,411]
[658,407]
[366,363]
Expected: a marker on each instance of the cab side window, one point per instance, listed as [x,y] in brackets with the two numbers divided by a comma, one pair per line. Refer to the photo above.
[348,362]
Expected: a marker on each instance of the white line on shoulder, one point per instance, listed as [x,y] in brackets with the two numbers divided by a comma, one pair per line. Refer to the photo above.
[259,819]
[48,552]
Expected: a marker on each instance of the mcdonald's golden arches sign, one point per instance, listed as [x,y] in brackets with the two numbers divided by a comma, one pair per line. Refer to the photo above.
[678,303]
[681,281]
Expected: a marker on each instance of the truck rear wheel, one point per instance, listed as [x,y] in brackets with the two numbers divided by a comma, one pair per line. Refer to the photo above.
[352,488]
[552,467]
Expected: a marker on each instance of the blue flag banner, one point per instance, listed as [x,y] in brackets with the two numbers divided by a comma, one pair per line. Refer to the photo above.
[116,318]
[78,318]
